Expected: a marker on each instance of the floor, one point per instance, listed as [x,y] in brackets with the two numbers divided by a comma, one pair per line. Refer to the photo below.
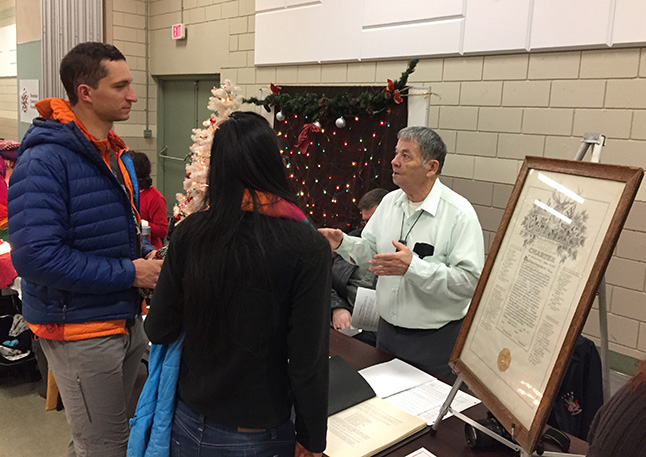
[29,431]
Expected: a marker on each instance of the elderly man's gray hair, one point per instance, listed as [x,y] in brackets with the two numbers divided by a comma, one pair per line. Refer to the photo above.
[430,143]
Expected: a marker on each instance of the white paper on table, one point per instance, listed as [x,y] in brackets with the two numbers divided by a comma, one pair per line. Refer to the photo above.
[426,400]
[430,416]
[364,314]
[421,452]
[392,377]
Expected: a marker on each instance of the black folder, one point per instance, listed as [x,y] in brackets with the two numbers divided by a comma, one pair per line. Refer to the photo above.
[347,386]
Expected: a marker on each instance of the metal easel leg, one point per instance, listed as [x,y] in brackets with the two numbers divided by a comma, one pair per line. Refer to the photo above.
[446,405]
[597,141]
[603,331]
[594,140]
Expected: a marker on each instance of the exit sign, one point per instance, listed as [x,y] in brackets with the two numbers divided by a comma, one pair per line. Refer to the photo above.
[179,32]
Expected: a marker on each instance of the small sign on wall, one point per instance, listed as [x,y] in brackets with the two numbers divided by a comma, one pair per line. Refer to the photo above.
[179,32]
[28,94]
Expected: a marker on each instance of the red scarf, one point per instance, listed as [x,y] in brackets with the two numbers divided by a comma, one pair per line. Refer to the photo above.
[271,205]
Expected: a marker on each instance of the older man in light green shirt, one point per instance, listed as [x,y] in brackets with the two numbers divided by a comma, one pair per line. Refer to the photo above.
[425,244]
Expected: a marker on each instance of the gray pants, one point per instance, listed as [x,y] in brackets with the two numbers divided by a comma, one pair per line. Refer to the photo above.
[95,378]
[428,350]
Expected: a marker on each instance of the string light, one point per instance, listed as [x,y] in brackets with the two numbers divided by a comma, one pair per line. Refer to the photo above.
[350,160]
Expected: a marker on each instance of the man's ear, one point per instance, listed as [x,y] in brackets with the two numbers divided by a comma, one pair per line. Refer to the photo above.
[432,166]
[83,92]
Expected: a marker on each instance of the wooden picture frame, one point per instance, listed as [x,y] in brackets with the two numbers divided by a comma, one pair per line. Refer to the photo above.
[543,270]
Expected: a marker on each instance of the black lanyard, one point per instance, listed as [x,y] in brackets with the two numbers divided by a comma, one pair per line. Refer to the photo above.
[401,230]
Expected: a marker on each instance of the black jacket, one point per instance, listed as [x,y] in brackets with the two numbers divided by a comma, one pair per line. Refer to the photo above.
[341,272]
[277,333]
[581,393]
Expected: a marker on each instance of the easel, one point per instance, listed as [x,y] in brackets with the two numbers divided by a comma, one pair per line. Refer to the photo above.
[446,407]
[596,141]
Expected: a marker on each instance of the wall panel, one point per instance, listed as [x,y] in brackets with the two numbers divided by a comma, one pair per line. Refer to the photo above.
[572,23]
[438,38]
[385,12]
[302,31]
[628,22]
[488,28]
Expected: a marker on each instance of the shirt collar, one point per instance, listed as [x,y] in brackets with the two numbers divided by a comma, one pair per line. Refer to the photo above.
[430,203]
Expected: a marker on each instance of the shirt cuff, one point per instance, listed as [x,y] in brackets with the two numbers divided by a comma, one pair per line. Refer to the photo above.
[419,270]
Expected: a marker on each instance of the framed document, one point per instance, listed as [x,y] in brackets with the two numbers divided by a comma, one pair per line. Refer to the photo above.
[550,252]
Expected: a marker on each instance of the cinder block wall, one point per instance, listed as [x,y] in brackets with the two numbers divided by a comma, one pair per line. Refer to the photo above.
[494,110]
[9,108]
[490,110]
[125,27]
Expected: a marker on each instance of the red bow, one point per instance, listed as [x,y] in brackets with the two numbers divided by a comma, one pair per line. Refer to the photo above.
[274,89]
[390,92]
[304,136]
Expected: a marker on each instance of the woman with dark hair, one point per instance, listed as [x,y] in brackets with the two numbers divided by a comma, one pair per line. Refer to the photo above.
[152,204]
[617,429]
[247,281]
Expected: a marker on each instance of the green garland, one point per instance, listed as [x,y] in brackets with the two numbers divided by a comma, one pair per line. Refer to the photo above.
[315,106]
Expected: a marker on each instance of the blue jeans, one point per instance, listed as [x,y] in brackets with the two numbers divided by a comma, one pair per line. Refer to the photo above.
[195,436]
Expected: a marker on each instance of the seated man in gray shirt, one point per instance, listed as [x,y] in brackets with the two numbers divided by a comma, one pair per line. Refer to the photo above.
[347,277]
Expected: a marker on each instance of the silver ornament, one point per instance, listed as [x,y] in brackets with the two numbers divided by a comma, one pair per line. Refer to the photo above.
[340,122]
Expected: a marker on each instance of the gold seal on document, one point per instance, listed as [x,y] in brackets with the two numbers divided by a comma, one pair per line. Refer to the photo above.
[504,359]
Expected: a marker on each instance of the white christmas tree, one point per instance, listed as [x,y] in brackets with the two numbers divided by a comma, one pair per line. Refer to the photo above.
[223,102]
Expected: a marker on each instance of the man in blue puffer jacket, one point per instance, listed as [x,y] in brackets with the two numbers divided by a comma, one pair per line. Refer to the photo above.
[76,243]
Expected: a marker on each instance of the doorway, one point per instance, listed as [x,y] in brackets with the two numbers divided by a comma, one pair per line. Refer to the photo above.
[182,107]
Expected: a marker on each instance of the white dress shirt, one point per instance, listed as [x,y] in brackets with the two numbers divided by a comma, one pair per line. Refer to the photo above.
[434,290]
